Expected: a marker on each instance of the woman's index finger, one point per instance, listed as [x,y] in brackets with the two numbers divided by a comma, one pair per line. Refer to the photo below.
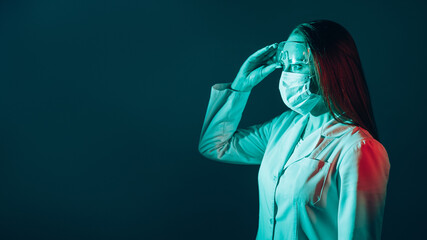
[265,50]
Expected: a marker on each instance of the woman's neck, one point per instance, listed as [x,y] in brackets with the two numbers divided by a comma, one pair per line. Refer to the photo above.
[316,119]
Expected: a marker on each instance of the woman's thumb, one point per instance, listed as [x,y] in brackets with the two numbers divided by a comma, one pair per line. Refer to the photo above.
[265,71]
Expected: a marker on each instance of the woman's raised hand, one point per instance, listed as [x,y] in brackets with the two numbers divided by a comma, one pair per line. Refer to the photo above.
[258,66]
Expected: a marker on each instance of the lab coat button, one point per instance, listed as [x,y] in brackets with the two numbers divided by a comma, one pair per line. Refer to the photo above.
[274,177]
[271,220]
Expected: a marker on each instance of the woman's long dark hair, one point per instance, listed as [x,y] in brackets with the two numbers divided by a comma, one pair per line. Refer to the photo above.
[339,73]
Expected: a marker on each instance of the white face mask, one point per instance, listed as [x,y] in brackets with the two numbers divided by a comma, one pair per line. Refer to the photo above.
[294,88]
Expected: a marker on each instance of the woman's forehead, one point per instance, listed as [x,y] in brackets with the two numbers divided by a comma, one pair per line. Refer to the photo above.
[295,45]
[296,49]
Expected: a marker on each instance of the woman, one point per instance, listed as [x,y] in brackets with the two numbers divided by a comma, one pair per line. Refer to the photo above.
[323,173]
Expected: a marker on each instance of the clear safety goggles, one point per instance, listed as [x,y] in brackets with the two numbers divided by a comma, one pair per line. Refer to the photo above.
[294,56]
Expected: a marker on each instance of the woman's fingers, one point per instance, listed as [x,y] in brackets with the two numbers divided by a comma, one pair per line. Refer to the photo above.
[258,66]
[270,61]
[266,70]
[260,58]
[269,56]
[271,49]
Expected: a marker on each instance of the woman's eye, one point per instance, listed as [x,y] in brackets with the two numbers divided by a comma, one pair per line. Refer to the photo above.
[296,67]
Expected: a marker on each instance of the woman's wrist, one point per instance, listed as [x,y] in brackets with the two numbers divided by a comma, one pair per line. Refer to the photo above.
[236,86]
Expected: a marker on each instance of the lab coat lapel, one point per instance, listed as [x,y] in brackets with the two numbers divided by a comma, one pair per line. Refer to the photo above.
[319,140]
[305,149]
[285,146]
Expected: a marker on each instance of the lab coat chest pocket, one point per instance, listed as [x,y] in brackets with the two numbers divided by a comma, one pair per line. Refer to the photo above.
[305,179]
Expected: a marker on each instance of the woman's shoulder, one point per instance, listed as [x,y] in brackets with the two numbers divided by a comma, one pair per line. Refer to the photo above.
[351,137]
[359,136]
[346,132]
[359,143]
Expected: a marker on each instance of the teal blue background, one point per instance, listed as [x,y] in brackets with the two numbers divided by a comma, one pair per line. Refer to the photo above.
[102,103]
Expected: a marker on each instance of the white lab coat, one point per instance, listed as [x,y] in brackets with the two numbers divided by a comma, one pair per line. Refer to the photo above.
[330,186]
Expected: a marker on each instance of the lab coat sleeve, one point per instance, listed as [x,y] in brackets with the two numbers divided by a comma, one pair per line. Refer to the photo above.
[362,182]
[220,139]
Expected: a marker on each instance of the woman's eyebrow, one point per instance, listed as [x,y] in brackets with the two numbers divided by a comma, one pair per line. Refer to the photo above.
[300,58]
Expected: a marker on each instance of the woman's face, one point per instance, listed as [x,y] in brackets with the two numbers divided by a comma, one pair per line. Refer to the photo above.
[295,55]
[298,59]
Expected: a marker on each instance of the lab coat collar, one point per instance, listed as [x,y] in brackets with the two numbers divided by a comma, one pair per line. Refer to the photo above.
[335,129]
[331,130]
